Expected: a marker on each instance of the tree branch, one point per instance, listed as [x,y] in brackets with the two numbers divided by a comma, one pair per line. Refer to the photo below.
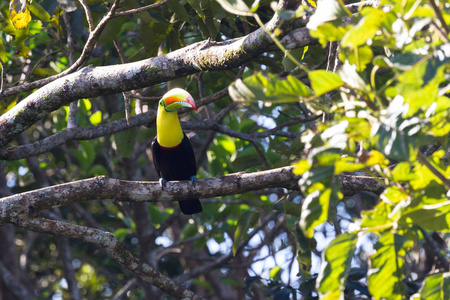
[116,250]
[94,81]
[101,187]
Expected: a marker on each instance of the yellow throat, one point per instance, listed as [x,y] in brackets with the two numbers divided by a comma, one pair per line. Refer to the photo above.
[168,129]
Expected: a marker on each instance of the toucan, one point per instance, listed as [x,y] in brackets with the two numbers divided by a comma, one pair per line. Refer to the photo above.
[173,156]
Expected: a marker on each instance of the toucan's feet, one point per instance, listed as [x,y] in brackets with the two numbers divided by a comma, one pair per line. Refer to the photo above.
[162,183]
[194,180]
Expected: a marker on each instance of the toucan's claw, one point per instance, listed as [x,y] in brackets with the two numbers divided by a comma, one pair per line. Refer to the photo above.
[162,183]
[194,180]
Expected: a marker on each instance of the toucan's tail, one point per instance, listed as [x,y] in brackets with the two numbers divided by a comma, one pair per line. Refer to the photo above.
[191,206]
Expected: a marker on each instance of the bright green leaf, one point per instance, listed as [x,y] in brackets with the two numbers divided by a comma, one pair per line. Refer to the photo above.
[336,263]
[436,287]
[324,81]
[386,269]
[96,118]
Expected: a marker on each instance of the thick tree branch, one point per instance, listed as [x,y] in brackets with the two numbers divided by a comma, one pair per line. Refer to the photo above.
[101,187]
[94,81]
[115,249]
[136,191]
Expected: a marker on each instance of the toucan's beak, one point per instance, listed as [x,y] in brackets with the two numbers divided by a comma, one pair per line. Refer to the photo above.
[177,98]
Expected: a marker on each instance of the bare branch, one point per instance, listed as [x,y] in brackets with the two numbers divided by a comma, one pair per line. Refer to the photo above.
[14,284]
[140,9]
[102,187]
[115,250]
[138,191]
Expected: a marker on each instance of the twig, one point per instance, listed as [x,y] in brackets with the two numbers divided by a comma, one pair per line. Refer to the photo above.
[438,13]
[73,107]
[13,284]
[2,75]
[121,294]
[88,15]
[435,248]
[126,96]
[261,155]
[140,9]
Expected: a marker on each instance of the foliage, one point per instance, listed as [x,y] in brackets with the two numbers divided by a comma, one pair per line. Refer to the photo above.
[377,110]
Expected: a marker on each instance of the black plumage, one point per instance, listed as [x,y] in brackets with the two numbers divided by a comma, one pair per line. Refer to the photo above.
[177,163]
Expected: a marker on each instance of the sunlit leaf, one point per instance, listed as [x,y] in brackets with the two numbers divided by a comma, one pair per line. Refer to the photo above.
[436,287]
[261,87]
[386,269]
[19,13]
[334,270]
[324,81]
[96,118]
[365,29]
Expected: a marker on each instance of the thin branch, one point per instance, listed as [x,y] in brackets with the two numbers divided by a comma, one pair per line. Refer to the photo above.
[130,285]
[140,9]
[69,272]
[438,13]
[436,249]
[13,284]
[2,78]
[58,139]
[88,15]
[115,250]
[73,108]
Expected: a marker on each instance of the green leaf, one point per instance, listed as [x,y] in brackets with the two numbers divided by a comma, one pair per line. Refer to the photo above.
[386,269]
[329,32]
[324,81]
[96,118]
[365,29]
[275,273]
[271,88]
[430,213]
[351,78]
[314,210]
[121,234]
[397,137]
[247,220]
[402,172]
[336,261]
[111,30]
[125,141]
[226,143]
[37,10]
[85,155]
[359,56]
[298,54]
[436,287]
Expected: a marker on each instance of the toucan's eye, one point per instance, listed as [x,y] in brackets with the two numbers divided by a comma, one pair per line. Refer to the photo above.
[161,103]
